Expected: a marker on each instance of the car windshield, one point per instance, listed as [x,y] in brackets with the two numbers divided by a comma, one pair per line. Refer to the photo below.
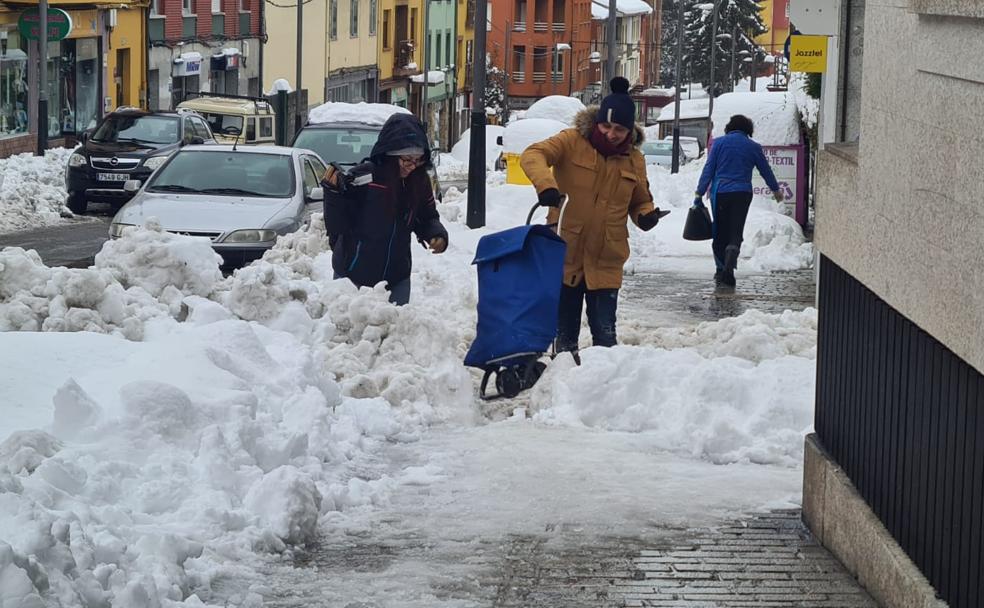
[224,124]
[346,146]
[139,129]
[226,173]
[654,148]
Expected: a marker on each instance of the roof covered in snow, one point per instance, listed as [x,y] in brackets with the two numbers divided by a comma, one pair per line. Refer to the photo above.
[689,109]
[368,113]
[775,115]
[625,8]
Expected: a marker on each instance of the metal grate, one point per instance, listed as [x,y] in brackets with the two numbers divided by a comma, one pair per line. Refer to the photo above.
[212,236]
[904,417]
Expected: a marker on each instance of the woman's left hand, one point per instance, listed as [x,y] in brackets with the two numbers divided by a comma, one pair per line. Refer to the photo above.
[438,244]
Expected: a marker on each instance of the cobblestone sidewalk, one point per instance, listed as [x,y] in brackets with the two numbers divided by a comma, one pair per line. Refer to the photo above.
[766,561]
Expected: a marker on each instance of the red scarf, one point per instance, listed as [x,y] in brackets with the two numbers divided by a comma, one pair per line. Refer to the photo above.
[605,147]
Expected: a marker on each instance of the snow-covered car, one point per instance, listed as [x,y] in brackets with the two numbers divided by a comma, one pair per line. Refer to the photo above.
[344,133]
[128,144]
[660,153]
[689,145]
[240,199]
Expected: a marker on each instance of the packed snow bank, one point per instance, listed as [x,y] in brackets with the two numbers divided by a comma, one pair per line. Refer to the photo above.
[741,390]
[521,134]
[32,190]
[556,107]
[775,114]
[367,113]
[462,149]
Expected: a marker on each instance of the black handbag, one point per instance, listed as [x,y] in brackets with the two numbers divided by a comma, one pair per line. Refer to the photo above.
[698,224]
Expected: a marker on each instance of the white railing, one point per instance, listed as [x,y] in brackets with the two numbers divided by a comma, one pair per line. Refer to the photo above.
[560,27]
[519,77]
[541,26]
[539,76]
[519,26]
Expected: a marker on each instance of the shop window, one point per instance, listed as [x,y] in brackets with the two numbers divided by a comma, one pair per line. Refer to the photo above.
[13,86]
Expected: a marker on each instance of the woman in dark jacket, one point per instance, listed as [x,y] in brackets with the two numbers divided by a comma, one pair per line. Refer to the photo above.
[371,210]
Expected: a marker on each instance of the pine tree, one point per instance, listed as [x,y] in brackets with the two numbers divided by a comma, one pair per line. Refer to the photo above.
[741,16]
[495,90]
[667,56]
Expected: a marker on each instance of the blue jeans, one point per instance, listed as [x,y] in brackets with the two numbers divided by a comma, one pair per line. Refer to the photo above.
[399,293]
[601,304]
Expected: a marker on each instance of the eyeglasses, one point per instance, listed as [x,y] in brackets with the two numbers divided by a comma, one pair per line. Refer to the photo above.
[416,161]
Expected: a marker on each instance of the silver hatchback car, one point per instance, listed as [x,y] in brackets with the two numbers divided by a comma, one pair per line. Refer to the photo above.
[241,199]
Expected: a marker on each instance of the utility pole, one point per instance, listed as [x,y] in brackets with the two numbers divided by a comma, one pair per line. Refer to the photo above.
[476,154]
[300,47]
[754,70]
[610,36]
[427,38]
[507,62]
[714,43]
[43,77]
[675,166]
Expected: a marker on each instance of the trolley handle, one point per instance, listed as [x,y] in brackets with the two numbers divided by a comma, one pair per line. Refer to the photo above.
[560,219]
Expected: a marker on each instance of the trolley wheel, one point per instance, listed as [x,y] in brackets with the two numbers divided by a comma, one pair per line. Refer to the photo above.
[508,382]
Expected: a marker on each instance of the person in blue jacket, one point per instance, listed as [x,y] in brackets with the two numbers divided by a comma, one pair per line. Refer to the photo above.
[372,209]
[728,175]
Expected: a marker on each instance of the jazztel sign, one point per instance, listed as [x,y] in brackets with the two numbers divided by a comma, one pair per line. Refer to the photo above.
[807,53]
[59,24]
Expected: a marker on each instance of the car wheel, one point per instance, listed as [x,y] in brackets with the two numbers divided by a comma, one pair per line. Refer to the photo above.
[76,203]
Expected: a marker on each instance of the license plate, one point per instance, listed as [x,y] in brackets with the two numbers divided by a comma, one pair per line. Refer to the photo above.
[112,177]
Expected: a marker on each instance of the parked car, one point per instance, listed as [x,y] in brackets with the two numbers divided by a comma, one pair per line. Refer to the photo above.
[241,198]
[345,133]
[128,144]
[690,146]
[660,153]
[234,118]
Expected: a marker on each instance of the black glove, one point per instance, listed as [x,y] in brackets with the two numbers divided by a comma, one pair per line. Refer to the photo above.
[551,197]
[648,221]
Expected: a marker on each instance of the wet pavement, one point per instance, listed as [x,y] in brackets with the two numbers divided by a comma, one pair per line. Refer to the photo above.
[73,244]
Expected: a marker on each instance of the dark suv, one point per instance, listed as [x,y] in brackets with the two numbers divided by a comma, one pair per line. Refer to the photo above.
[128,144]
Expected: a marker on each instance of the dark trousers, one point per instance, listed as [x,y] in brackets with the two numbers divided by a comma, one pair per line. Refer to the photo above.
[601,316]
[730,212]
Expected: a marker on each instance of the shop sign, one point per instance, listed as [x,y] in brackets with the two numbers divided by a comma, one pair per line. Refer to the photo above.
[807,53]
[59,24]
[790,170]
[189,64]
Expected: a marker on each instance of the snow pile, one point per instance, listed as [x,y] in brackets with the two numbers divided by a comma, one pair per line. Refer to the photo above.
[773,240]
[689,109]
[723,399]
[366,113]
[809,108]
[521,134]
[280,84]
[556,107]
[32,190]
[775,114]
[433,77]
[461,150]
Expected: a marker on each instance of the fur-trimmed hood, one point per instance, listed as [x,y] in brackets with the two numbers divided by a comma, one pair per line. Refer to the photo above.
[584,122]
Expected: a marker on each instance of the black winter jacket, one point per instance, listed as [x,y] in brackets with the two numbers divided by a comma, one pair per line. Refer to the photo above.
[368,227]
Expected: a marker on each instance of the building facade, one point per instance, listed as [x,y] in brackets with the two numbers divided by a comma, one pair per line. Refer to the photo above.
[464,67]
[900,352]
[632,28]
[203,45]
[438,89]
[99,66]
[401,52]
[775,15]
[543,46]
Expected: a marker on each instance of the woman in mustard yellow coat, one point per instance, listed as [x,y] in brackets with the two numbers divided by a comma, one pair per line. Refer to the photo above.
[598,164]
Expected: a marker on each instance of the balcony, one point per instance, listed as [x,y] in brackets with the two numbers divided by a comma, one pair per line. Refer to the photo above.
[560,27]
[519,26]
[541,26]
[558,77]
[403,59]
[519,77]
[539,76]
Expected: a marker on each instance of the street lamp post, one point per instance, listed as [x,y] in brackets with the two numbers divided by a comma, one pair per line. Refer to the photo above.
[710,99]
[475,216]
[594,58]
[43,77]
[675,166]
